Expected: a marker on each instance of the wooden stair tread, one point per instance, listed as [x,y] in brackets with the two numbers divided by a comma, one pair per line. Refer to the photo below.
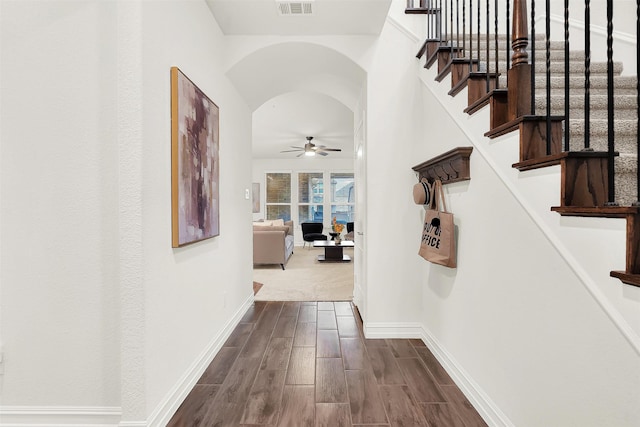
[629,279]
[597,211]
[586,189]
[483,100]
[515,124]
[555,159]
[422,50]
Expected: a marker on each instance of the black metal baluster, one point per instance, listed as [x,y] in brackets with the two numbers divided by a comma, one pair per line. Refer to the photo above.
[610,123]
[445,37]
[464,28]
[487,51]
[533,57]
[457,28]
[567,76]
[479,34]
[451,21]
[548,52]
[509,36]
[439,21]
[587,74]
[637,202]
[495,38]
[471,36]
[429,32]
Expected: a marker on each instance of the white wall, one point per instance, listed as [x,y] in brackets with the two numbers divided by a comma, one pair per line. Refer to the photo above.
[540,322]
[294,166]
[514,319]
[394,115]
[59,205]
[530,314]
[191,293]
[100,317]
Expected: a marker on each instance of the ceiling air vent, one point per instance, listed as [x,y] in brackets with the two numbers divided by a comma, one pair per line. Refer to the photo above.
[295,8]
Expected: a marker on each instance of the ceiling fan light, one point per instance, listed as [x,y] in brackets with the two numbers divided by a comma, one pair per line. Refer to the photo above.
[310,153]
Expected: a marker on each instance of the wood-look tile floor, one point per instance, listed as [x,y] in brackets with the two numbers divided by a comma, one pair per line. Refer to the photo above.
[305,364]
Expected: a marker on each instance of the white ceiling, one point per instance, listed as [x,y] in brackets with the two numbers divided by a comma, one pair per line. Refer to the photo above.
[288,119]
[297,88]
[260,17]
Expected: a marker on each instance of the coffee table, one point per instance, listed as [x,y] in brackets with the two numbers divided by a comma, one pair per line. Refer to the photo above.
[332,251]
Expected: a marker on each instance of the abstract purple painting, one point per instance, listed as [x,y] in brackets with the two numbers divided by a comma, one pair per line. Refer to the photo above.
[195,163]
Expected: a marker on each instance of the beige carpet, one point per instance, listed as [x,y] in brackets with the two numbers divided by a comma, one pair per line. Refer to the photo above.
[306,279]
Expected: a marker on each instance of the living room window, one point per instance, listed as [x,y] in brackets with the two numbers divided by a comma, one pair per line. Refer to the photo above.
[278,200]
[342,197]
[310,197]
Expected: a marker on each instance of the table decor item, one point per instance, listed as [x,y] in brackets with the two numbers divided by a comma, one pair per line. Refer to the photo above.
[337,228]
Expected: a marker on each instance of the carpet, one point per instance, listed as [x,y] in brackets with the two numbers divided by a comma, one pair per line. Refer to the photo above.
[306,279]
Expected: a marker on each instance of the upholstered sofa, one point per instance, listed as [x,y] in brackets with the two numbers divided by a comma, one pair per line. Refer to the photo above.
[272,242]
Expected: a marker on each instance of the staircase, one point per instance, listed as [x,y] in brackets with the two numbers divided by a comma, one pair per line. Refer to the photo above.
[550,139]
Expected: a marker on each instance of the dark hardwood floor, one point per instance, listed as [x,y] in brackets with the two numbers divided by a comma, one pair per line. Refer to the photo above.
[305,364]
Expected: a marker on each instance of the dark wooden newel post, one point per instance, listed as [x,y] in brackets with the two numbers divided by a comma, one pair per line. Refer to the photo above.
[519,75]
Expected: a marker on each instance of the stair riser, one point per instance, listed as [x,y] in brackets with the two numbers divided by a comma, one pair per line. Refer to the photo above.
[557,69]
[556,55]
[597,102]
[576,87]
[626,112]
[502,43]
[599,114]
[624,147]
[578,91]
[622,128]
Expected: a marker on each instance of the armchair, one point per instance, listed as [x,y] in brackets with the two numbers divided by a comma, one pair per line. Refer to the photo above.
[312,231]
[349,235]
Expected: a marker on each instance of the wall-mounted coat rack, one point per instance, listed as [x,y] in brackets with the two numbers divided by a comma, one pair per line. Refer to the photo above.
[452,166]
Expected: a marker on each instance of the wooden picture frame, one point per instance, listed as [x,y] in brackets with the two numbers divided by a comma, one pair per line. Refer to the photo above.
[195,163]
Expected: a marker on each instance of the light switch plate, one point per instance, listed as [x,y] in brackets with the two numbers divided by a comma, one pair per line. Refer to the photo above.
[246,193]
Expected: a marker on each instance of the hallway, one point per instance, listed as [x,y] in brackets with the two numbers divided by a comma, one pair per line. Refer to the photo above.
[308,364]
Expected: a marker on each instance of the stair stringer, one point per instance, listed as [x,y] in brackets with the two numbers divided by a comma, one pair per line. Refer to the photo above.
[536,192]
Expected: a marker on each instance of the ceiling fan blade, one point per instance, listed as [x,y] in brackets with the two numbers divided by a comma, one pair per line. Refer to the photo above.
[332,149]
[300,155]
[289,151]
[322,153]
[299,148]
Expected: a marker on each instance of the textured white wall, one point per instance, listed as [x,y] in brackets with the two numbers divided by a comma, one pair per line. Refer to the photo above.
[59,214]
[394,115]
[530,305]
[514,317]
[91,287]
[191,292]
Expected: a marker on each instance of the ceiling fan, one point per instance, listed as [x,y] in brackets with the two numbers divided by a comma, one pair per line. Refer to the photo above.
[311,149]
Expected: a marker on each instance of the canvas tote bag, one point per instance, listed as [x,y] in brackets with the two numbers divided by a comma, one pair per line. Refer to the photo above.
[438,243]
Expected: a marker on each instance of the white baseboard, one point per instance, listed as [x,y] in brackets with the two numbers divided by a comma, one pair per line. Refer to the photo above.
[489,411]
[170,404]
[59,416]
[392,330]
[84,416]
